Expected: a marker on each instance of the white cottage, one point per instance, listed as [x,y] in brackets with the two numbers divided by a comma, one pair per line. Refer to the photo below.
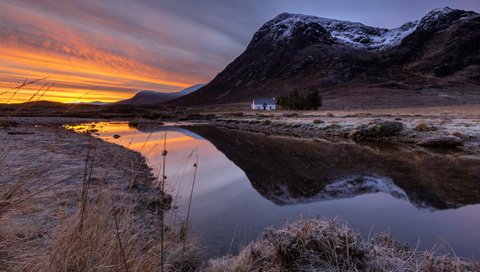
[264,104]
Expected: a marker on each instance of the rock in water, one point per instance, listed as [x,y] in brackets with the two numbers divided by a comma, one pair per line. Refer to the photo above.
[441,141]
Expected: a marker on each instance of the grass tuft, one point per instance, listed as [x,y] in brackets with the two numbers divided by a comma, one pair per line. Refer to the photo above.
[318,245]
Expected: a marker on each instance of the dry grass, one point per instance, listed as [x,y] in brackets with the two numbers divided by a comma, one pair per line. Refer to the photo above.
[423,127]
[106,238]
[110,239]
[317,245]
[79,212]
[64,211]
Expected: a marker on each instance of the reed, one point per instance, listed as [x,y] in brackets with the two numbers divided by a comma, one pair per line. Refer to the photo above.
[185,225]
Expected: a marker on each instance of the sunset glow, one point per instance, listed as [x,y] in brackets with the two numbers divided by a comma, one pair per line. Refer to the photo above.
[109,50]
[87,57]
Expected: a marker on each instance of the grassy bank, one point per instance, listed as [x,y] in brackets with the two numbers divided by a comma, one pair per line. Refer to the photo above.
[317,245]
[429,127]
[72,202]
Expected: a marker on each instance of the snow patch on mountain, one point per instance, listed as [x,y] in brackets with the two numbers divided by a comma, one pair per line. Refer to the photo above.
[348,33]
[354,34]
[439,16]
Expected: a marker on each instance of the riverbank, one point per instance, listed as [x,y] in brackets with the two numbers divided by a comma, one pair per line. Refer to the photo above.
[71,201]
[440,127]
[453,127]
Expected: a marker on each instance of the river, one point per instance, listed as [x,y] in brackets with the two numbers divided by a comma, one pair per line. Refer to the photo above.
[248,182]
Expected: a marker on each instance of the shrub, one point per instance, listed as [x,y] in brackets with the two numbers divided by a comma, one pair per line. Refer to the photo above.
[421,127]
[297,101]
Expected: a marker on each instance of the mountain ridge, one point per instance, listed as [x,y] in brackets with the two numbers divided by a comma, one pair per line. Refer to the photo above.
[147,97]
[304,52]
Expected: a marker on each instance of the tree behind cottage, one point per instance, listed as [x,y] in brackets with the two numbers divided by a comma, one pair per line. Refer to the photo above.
[297,101]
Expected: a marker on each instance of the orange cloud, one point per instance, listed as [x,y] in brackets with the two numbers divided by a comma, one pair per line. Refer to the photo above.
[83,64]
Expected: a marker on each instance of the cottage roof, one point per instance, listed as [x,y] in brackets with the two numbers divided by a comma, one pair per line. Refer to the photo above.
[261,101]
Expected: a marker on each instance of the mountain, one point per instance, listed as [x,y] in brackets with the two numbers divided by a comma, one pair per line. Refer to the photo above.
[354,64]
[95,103]
[151,97]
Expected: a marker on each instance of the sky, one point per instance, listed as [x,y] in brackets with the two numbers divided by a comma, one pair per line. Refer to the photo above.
[108,50]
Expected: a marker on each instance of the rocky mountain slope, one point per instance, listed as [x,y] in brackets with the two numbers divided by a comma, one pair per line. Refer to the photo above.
[152,98]
[437,57]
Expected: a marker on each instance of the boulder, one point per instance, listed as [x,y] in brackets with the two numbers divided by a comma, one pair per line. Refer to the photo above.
[377,130]
[441,141]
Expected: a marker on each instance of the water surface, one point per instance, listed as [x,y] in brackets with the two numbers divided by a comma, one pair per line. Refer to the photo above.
[247,182]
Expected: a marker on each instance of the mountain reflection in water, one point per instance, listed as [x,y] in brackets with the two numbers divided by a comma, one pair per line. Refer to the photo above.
[288,171]
[247,182]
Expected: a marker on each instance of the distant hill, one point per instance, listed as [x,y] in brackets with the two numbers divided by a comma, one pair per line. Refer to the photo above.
[96,103]
[434,60]
[152,97]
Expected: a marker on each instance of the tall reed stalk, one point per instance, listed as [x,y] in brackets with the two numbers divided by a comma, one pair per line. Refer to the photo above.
[195,166]
[162,214]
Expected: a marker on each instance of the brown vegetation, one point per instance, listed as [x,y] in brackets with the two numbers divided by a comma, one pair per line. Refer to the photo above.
[71,202]
[317,245]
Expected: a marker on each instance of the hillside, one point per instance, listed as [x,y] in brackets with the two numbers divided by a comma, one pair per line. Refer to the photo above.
[353,65]
[152,98]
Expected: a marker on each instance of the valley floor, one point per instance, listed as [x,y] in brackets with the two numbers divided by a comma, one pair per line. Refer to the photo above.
[72,202]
